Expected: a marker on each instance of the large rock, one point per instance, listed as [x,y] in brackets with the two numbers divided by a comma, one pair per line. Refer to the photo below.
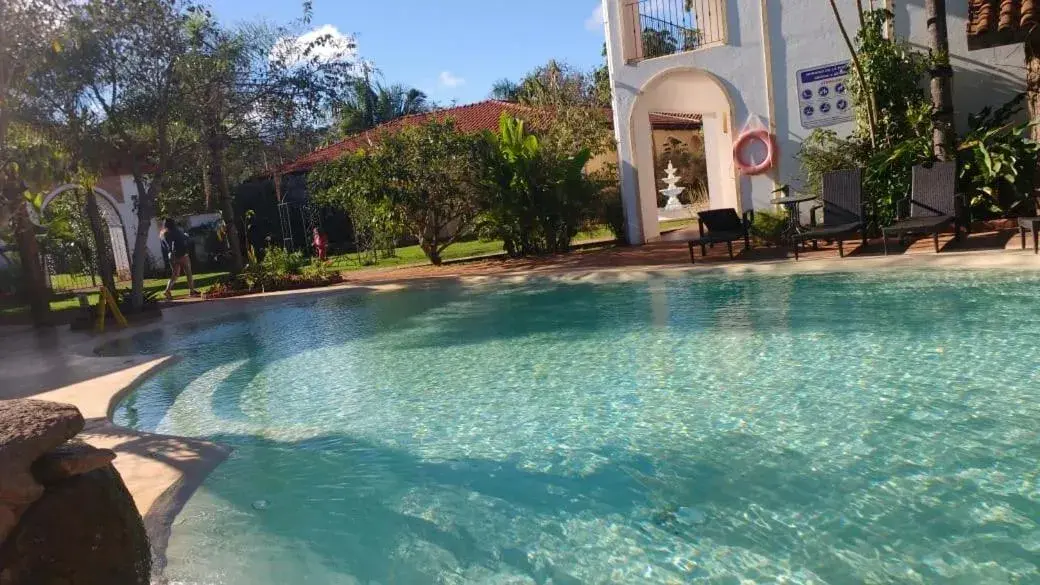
[85,530]
[28,429]
[71,459]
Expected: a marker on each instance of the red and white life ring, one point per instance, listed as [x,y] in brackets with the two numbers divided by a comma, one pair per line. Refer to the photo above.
[740,148]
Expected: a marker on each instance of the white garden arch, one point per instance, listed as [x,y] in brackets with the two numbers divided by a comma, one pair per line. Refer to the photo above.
[113,223]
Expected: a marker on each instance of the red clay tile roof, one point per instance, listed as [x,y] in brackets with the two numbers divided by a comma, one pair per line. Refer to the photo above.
[674,121]
[992,23]
[470,118]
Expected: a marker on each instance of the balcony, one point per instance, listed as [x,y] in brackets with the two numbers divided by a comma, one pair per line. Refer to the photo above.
[665,27]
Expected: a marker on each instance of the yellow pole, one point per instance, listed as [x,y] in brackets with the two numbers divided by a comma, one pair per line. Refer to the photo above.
[102,304]
[116,313]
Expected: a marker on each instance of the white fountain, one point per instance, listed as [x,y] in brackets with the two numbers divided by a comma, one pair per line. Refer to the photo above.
[673,191]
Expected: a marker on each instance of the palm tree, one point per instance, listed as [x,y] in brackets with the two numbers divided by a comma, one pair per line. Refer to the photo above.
[940,84]
[371,104]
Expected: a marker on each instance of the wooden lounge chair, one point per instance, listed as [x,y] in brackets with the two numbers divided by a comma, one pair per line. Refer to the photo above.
[717,226]
[1031,224]
[934,204]
[843,214]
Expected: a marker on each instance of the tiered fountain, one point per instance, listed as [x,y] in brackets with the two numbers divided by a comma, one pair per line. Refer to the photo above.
[673,191]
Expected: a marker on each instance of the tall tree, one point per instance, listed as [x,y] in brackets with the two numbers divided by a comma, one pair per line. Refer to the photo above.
[941,80]
[252,89]
[28,162]
[120,70]
[505,90]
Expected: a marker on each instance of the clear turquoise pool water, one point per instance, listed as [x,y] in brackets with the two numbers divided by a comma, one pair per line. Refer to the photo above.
[841,429]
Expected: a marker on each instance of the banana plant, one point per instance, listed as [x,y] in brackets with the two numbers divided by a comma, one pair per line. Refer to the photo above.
[992,163]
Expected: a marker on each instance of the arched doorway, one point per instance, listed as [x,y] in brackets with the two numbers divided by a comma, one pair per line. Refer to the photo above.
[70,252]
[684,91]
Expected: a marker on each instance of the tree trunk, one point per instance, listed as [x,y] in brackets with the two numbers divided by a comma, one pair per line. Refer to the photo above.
[101,244]
[35,291]
[941,82]
[871,116]
[1032,47]
[145,213]
[218,182]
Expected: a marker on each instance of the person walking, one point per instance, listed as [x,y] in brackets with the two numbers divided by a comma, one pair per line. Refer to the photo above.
[175,245]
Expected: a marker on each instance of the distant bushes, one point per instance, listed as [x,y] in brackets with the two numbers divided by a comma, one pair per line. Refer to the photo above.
[438,184]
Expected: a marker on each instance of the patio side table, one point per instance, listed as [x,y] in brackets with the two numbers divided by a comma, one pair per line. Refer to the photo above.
[792,203]
[1030,224]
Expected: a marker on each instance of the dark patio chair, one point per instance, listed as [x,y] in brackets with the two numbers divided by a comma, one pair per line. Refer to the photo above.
[717,226]
[843,214]
[934,204]
[1031,224]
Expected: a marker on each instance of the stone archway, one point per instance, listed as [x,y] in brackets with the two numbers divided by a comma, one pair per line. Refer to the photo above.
[684,90]
[113,225]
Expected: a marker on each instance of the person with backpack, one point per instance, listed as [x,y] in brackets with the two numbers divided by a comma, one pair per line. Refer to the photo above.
[175,245]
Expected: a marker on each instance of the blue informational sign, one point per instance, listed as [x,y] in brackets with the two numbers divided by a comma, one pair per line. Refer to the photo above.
[822,95]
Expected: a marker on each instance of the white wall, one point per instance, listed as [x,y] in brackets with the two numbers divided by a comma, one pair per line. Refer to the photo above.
[801,34]
[988,77]
[128,211]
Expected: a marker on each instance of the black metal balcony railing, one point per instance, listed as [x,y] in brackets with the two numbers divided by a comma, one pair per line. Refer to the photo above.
[675,26]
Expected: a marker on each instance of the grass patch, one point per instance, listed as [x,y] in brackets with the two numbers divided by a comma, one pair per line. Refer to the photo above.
[202,283]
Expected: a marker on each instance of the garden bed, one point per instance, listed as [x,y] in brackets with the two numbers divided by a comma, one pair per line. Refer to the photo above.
[236,288]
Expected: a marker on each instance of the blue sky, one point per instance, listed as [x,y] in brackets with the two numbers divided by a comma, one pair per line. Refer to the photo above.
[451,49]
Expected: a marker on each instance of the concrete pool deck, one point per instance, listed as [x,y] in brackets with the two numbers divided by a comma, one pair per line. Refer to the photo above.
[162,471]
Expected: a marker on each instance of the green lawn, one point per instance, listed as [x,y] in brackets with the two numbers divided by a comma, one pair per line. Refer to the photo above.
[412,255]
[202,282]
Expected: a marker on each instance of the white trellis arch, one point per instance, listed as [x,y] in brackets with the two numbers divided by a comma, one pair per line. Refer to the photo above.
[109,210]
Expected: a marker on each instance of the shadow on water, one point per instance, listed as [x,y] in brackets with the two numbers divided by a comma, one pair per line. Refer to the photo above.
[353,503]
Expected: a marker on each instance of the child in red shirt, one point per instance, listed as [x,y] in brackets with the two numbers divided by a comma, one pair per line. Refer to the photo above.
[321,245]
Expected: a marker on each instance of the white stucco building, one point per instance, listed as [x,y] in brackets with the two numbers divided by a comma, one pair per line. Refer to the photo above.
[764,58]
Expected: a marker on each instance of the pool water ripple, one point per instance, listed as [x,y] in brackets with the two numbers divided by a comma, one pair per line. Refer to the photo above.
[846,428]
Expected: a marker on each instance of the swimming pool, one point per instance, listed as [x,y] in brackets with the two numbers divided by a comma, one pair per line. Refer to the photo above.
[840,428]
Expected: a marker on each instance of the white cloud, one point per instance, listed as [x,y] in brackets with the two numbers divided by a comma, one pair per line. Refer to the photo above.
[450,80]
[324,44]
[594,23]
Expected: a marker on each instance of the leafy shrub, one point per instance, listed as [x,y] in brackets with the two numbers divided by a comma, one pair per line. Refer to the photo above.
[894,72]
[350,184]
[279,262]
[427,177]
[609,207]
[255,274]
[536,199]
[319,269]
[992,157]
[768,227]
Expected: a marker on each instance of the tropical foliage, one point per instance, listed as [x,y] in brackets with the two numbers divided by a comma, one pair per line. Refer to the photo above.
[424,179]
[164,91]
[537,198]
[993,155]
[369,104]
[997,158]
